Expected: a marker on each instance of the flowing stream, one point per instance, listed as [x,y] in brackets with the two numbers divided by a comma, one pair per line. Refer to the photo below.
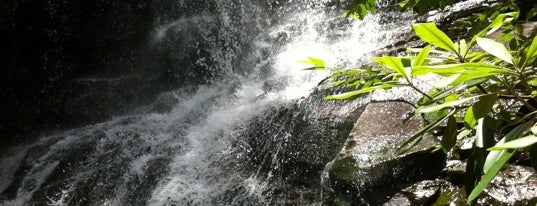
[223,141]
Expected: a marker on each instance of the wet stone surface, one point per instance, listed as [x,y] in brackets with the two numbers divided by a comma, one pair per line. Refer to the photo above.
[514,185]
[434,192]
[368,170]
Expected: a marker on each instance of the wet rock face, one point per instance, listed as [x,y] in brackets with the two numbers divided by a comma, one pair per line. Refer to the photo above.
[515,185]
[69,63]
[291,145]
[434,192]
[91,171]
[49,43]
[368,169]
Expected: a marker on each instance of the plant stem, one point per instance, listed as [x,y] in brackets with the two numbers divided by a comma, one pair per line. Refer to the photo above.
[505,96]
[528,105]
[518,97]
[522,78]
[482,89]
[411,85]
[419,90]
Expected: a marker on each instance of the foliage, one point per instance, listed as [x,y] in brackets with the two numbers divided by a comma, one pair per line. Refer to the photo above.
[360,8]
[424,5]
[481,88]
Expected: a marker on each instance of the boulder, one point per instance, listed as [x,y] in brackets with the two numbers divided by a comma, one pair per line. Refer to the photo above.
[514,185]
[435,192]
[369,168]
[291,145]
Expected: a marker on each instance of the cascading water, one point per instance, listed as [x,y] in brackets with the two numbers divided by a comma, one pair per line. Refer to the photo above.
[230,135]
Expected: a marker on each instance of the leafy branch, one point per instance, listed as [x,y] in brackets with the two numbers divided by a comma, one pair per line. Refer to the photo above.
[470,80]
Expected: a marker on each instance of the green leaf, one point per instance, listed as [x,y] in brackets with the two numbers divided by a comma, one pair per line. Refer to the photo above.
[533,156]
[500,20]
[464,133]
[505,37]
[494,155]
[485,132]
[474,75]
[517,144]
[430,33]
[451,90]
[394,63]
[313,61]
[476,56]
[495,161]
[361,12]
[466,72]
[432,51]
[532,13]
[422,56]
[533,202]
[484,105]
[462,47]
[418,136]
[359,8]
[480,109]
[348,95]
[444,82]
[449,138]
[446,105]
[495,25]
[469,119]
[450,69]
[484,138]
[532,51]
[488,176]
[496,49]
[316,69]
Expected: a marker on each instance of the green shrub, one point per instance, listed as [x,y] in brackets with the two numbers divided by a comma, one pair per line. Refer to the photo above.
[481,88]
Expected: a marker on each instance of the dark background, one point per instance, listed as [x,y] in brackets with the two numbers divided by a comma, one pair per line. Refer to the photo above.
[54,53]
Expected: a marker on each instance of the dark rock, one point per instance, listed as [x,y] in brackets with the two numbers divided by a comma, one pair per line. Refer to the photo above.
[94,100]
[368,170]
[514,185]
[291,145]
[21,170]
[71,63]
[435,192]
[525,7]
[454,171]
[86,169]
[397,200]
[48,44]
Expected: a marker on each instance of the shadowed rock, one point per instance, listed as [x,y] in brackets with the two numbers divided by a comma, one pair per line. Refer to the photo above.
[368,170]
[514,185]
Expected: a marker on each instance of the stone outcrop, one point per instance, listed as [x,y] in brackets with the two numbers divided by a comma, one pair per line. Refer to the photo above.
[515,185]
[291,145]
[369,169]
[71,63]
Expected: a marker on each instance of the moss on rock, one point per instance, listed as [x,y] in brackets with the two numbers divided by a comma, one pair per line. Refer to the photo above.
[343,170]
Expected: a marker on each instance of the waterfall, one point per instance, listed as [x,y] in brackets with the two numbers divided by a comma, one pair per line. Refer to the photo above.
[224,136]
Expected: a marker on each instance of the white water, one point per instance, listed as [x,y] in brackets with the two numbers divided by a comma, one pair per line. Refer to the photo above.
[190,152]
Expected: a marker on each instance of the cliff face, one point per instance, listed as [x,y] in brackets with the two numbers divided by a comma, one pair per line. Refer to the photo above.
[68,63]
[48,44]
